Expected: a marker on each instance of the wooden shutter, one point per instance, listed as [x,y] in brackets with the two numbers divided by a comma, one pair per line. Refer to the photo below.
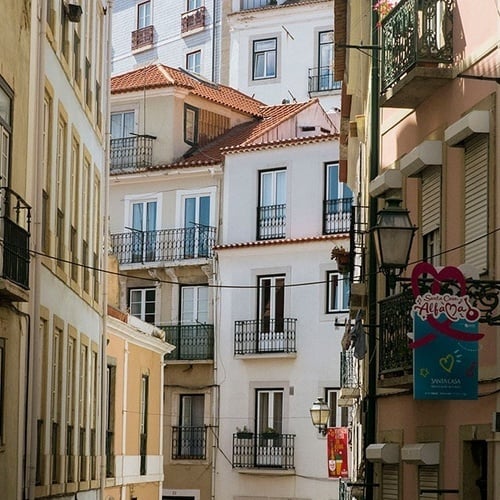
[390,482]
[431,199]
[428,479]
[476,201]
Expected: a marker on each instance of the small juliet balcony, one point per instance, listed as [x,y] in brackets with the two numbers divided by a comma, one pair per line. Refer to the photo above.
[189,443]
[256,4]
[142,38]
[337,216]
[349,378]
[417,51]
[271,222]
[265,336]
[320,79]
[193,20]
[15,219]
[130,153]
[192,342]
[264,451]
[163,245]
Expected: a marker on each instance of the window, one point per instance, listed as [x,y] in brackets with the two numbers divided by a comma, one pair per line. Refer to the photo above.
[196,224]
[431,213]
[122,124]
[272,205]
[70,410]
[144,422]
[143,303]
[191,437]
[2,389]
[193,4]
[193,61]
[269,410]
[5,131]
[264,58]
[190,125]
[325,60]
[143,224]
[143,15]
[271,303]
[194,305]
[339,415]
[83,410]
[338,202]
[55,406]
[110,418]
[337,292]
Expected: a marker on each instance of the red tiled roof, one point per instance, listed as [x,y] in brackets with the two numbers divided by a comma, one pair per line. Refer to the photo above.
[160,76]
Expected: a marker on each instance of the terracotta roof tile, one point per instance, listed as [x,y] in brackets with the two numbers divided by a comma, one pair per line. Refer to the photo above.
[284,241]
[160,76]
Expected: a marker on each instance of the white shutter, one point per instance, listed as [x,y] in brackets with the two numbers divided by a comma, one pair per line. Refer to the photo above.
[428,479]
[476,200]
[390,482]
[431,199]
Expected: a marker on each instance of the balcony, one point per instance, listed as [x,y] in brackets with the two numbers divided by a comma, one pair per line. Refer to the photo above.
[192,342]
[189,443]
[256,4]
[15,218]
[142,38]
[271,222]
[265,336]
[417,51]
[131,153]
[163,245]
[320,79]
[193,20]
[349,378]
[263,451]
[394,354]
[337,216]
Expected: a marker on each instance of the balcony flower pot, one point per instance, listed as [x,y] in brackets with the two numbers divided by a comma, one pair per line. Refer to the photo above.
[343,259]
[270,434]
[244,433]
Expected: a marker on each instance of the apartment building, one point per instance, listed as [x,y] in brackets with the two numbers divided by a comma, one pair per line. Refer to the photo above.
[430,126]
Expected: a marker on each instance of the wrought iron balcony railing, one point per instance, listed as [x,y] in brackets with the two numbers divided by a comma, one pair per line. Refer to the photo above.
[259,336]
[142,37]
[321,79]
[348,370]
[256,4]
[193,19]
[192,342]
[189,443]
[163,245]
[130,153]
[414,32]
[344,491]
[271,222]
[395,355]
[15,219]
[337,216]
[264,451]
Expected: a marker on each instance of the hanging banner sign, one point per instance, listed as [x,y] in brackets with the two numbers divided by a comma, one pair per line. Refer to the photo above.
[337,446]
[445,344]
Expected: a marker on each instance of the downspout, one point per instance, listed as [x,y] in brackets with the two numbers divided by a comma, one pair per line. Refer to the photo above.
[105,228]
[371,415]
[34,350]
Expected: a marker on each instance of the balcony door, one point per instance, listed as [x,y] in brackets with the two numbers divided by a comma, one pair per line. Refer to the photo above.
[338,201]
[191,425]
[144,215]
[271,337]
[325,60]
[196,226]
[269,406]
[194,305]
[272,204]
[122,124]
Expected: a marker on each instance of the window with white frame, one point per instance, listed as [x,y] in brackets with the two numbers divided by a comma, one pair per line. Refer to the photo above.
[193,4]
[431,213]
[193,61]
[264,56]
[190,125]
[196,221]
[271,221]
[142,303]
[143,15]
[191,435]
[325,60]
[339,415]
[122,124]
[269,406]
[337,292]
[194,304]
[337,202]
[5,131]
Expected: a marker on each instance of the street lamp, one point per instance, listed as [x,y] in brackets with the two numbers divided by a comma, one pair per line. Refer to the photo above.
[393,236]
[320,413]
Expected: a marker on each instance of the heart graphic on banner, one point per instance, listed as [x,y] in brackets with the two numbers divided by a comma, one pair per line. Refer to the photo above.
[447,362]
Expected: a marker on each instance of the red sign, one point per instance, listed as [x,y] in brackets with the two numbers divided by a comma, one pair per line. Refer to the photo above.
[337,444]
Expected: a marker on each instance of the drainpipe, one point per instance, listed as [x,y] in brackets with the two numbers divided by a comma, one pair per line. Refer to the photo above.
[105,229]
[371,408]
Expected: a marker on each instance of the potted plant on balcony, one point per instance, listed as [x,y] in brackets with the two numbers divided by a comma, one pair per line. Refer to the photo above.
[243,433]
[270,433]
[341,255]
